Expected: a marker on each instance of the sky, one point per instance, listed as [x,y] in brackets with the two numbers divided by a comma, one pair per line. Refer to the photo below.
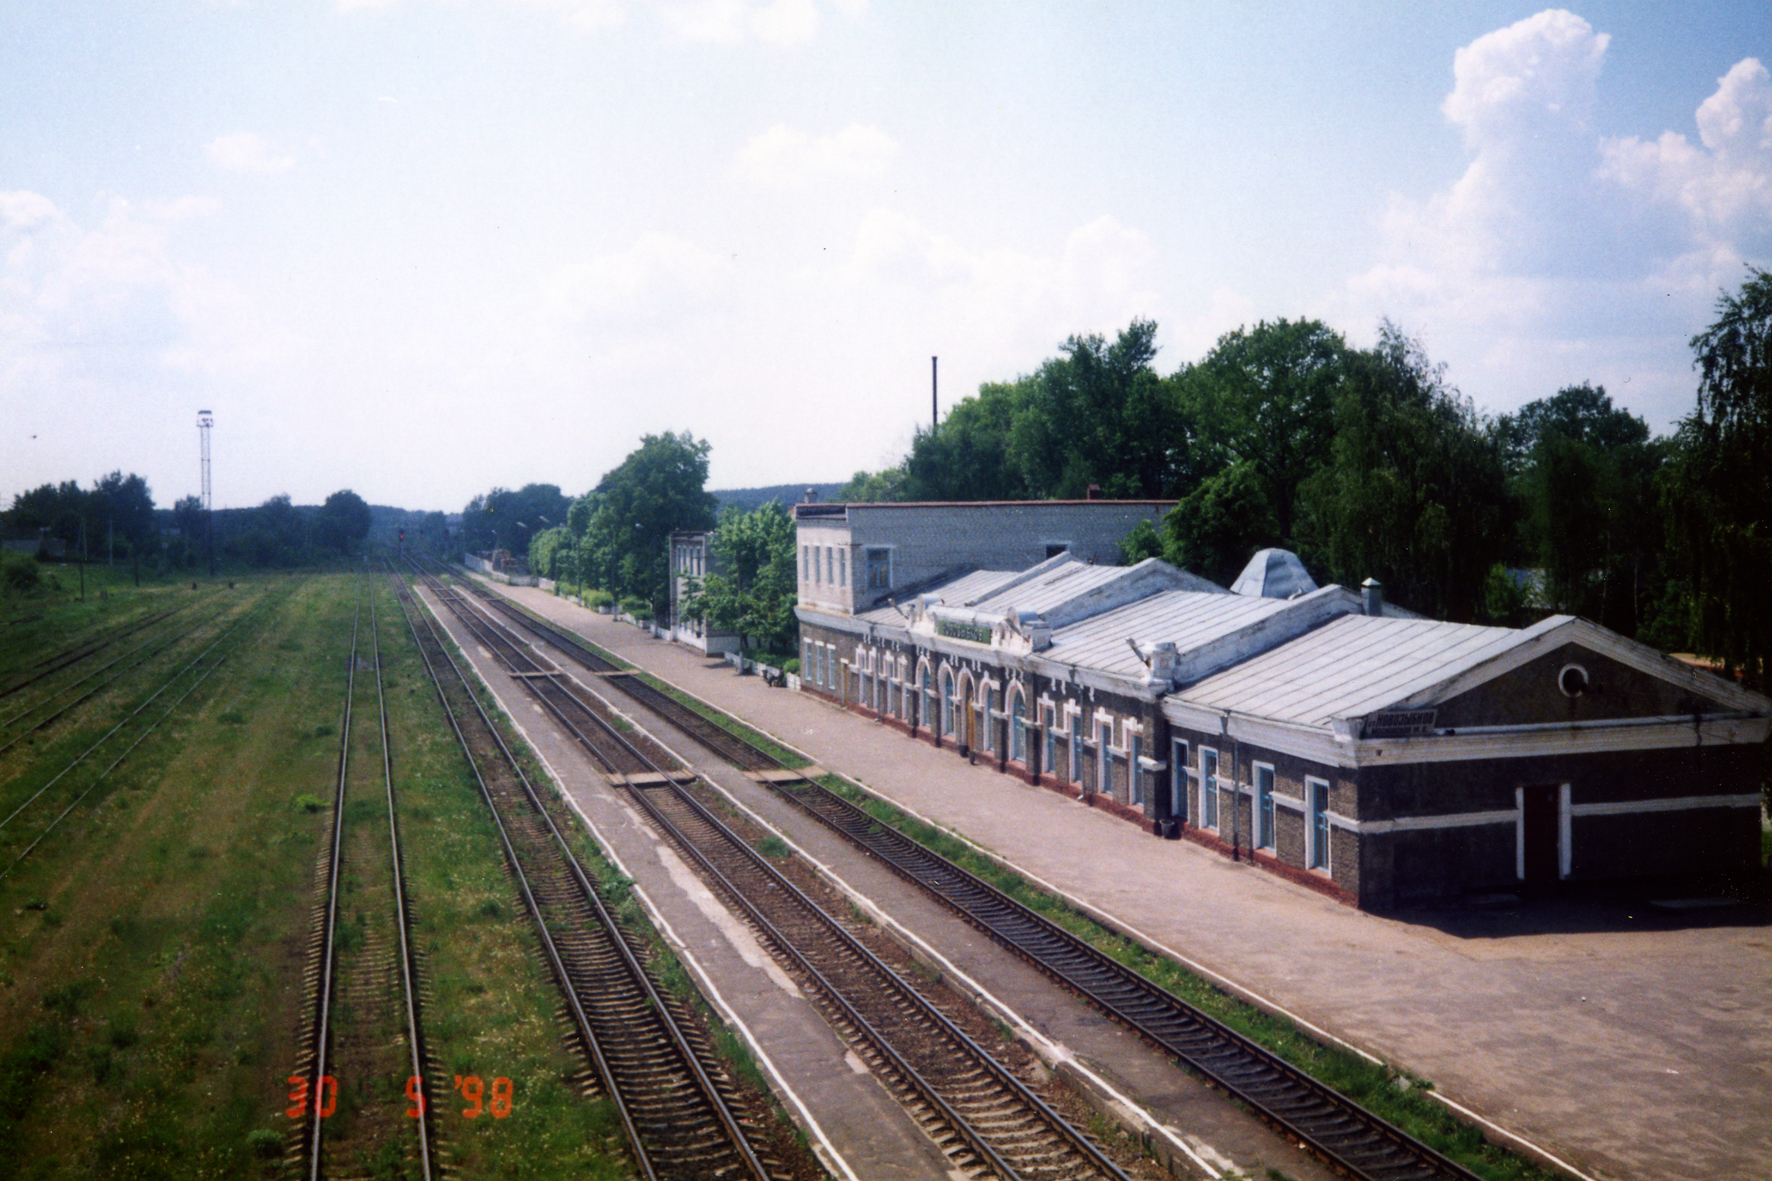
[423,248]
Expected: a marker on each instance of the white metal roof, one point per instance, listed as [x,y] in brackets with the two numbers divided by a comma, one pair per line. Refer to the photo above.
[1351,666]
[1274,574]
[1190,619]
[1061,584]
[960,589]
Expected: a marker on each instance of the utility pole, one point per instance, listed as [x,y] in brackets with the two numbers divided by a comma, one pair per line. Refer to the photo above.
[205,420]
[934,405]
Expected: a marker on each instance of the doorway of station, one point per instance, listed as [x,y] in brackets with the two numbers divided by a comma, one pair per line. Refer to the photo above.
[1540,836]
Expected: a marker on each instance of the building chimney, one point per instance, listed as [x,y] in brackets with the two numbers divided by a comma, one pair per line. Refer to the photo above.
[1372,596]
[1094,492]
[811,496]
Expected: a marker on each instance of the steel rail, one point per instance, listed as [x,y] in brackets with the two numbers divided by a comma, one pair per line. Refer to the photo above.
[656,1005]
[835,932]
[403,917]
[329,926]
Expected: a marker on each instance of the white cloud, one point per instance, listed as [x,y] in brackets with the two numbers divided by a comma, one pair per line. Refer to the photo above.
[774,22]
[1722,189]
[1559,255]
[787,158]
[660,275]
[114,304]
[1006,302]
[242,151]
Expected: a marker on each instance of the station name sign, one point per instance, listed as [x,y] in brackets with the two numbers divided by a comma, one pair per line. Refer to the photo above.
[963,631]
[1399,723]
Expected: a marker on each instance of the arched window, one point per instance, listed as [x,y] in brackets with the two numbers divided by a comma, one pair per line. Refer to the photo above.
[926,706]
[1018,736]
[947,703]
[987,709]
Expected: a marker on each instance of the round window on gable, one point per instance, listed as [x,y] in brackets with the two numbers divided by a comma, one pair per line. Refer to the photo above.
[1572,680]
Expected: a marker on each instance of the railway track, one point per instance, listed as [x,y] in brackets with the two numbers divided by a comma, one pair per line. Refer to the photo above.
[362,1022]
[130,661]
[24,827]
[49,665]
[683,1115]
[1338,1129]
[987,1121]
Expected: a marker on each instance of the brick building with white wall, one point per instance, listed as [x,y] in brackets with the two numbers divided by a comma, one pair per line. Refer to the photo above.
[1380,757]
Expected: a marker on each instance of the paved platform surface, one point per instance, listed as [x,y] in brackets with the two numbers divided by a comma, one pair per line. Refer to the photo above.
[1628,1040]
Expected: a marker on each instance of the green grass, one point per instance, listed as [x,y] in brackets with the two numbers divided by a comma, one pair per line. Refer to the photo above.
[1398,1097]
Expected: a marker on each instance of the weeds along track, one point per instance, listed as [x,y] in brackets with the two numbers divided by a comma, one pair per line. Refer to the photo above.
[1334,1126]
[35,810]
[362,1014]
[683,1115]
[48,666]
[987,1121]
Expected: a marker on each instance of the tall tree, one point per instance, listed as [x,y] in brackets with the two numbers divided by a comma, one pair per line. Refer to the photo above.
[125,507]
[342,522]
[1413,492]
[966,457]
[507,518]
[1583,475]
[1720,482]
[1098,414]
[628,518]
[1265,397]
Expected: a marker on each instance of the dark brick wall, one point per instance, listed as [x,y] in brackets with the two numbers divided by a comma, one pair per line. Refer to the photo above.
[1431,789]
[1529,695]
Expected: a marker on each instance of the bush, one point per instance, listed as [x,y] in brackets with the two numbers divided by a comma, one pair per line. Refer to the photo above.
[598,597]
[791,665]
[637,607]
[22,576]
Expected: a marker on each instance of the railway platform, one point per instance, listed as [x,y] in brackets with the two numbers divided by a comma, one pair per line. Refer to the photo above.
[1625,1037]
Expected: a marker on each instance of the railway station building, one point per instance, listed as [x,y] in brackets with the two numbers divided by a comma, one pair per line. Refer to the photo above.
[1319,732]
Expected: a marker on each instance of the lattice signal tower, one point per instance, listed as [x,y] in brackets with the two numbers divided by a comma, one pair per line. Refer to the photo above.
[205,420]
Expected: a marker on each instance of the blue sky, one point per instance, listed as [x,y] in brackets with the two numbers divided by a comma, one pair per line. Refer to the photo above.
[420,248]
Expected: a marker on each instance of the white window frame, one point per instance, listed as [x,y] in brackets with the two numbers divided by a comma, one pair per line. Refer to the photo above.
[1264,806]
[1317,860]
[1104,767]
[1209,788]
[1180,778]
[1134,774]
[1018,729]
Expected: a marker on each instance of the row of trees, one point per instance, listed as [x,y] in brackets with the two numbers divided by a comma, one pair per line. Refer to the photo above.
[1369,463]
[280,534]
[117,517]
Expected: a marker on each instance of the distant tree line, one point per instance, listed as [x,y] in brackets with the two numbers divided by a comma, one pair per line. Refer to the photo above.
[115,516]
[1369,463]
[117,519]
